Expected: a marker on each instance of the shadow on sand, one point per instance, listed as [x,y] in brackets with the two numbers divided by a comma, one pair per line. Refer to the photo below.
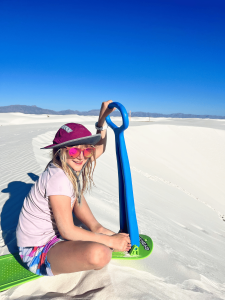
[10,212]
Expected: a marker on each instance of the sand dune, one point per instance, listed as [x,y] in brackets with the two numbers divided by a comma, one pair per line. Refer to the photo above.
[178,171]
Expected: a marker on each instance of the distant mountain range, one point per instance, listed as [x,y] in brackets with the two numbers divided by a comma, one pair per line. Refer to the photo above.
[25,109]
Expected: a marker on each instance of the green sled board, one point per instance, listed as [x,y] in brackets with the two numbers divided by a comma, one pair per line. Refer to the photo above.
[143,251]
[13,271]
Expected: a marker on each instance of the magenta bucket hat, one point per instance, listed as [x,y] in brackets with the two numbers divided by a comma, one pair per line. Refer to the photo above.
[73,134]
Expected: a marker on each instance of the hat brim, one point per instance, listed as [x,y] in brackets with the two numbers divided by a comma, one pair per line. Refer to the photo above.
[87,140]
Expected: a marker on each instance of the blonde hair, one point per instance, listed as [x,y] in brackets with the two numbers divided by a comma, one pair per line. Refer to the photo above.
[59,157]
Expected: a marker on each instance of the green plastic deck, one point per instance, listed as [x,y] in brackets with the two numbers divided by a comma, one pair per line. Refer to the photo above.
[13,272]
[144,250]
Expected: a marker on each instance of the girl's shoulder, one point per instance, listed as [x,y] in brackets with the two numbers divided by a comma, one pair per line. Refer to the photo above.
[56,172]
[52,173]
[57,183]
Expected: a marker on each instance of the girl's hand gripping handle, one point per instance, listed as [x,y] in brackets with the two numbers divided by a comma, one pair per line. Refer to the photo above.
[104,112]
[124,115]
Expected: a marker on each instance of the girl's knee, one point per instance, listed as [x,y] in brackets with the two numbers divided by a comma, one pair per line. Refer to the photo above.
[100,255]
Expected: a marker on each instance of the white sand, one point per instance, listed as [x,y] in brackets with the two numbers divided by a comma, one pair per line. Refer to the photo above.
[178,171]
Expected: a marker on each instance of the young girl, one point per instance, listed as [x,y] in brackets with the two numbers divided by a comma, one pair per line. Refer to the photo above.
[49,242]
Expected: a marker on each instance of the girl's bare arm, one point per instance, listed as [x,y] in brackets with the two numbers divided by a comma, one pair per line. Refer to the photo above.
[84,214]
[61,208]
[104,112]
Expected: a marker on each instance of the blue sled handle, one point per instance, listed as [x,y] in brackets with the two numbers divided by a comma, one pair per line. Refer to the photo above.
[128,220]
[124,114]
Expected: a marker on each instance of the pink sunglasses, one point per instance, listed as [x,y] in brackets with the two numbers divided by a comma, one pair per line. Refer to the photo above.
[75,152]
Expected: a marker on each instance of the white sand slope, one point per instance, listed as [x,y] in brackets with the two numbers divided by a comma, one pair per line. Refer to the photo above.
[178,172]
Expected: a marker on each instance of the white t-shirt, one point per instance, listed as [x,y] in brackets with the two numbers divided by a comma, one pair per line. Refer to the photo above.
[36,224]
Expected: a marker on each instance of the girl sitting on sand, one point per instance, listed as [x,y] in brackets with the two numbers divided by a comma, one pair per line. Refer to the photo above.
[46,218]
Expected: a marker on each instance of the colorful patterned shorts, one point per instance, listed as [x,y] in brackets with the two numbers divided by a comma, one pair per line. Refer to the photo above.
[36,257]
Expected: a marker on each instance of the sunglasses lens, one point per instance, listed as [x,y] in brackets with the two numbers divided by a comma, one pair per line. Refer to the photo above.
[88,152]
[74,152]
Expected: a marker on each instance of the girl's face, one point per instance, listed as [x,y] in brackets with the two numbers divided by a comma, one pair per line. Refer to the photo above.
[77,163]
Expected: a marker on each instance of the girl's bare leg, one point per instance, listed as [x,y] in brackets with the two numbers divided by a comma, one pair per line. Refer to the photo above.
[75,256]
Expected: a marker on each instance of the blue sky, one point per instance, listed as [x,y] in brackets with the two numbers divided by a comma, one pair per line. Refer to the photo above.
[152,56]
